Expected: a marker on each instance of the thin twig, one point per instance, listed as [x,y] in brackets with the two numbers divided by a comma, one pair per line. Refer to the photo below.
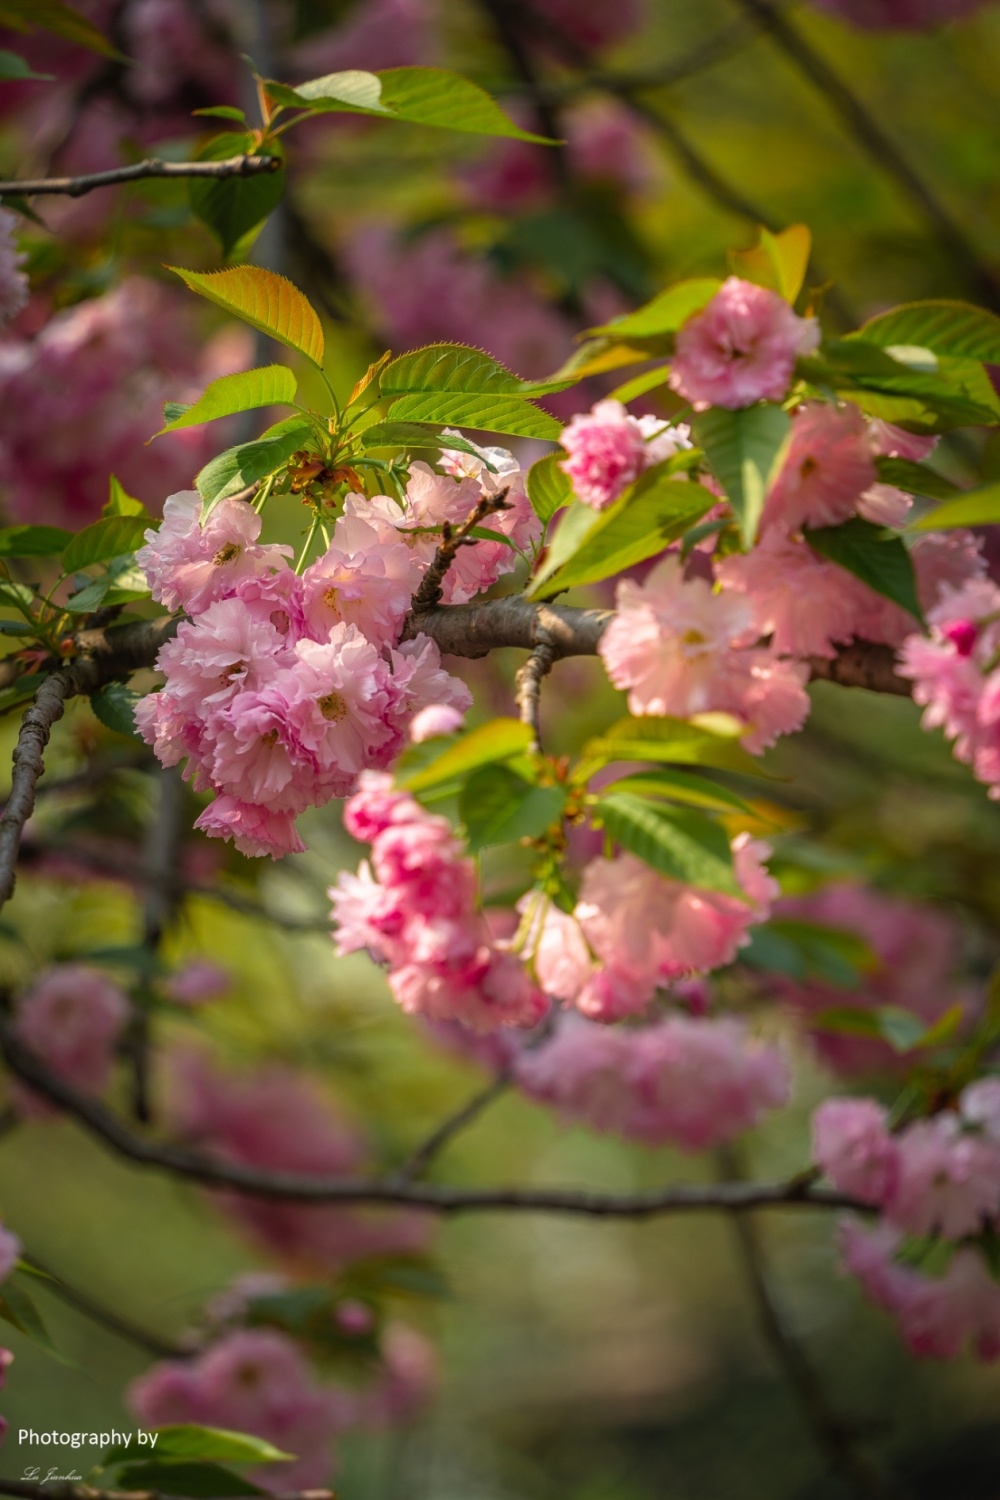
[92,1308]
[835,1437]
[160,868]
[417,1164]
[528,682]
[75,187]
[881,149]
[109,1128]
[428,595]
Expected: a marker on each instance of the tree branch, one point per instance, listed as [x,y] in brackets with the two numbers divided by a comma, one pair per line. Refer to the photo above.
[178,1161]
[105,1317]
[529,689]
[75,187]
[27,1489]
[449,1128]
[877,145]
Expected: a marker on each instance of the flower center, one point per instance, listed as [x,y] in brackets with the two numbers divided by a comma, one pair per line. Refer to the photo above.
[233,670]
[226,554]
[332,707]
[330,598]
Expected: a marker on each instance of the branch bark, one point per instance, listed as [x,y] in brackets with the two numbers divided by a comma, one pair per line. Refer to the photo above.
[75,187]
[28,1489]
[178,1161]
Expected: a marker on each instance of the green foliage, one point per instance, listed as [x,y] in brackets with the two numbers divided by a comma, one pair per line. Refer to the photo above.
[903,1030]
[778,262]
[196,1481]
[667,311]
[33,541]
[58,18]
[681,786]
[237,468]
[941,325]
[499,740]
[744,450]
[14,68]
[872,554]
[808,951]
[591,545]
[18,1309]
[448,367]
[114,706]
[904,384]
[110,537]
[233,207]
[549,487]
[497,806]
[186,1442]
[916,479]
[676,842]
[414,435]
[678,741]
[266,301]
[979,507]
[271,385]
[507,414]
[120,503]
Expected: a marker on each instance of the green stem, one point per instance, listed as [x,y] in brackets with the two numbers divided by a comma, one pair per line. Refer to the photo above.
[300,565]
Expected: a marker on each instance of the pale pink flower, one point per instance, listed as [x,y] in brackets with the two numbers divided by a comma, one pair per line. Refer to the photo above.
[583,1072]
[607,452]
[10,1254]
[72,1018]
[362,579]
[948,1182]
[188,565]
[435,721]
[197,982]
[885,505]
[980,1107]
[896,442]
[405,1382]
[419,682]
[251,1380]
[562,961]
[826,468]
[852,1144]
[255,830]
[741,348]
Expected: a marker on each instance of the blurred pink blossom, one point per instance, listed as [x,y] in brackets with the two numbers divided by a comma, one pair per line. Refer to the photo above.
[741,348]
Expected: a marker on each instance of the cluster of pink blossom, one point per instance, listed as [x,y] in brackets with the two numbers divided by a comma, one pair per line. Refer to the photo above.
[936,1177]
[914,951]
[687,1081]
[634,930]
[741,348]
[272,1119]
[609,448]
[415,909]
[72,1018]
[84,394]
[281,688]
[956,678]
[13,282]
[900,15]
[682,648]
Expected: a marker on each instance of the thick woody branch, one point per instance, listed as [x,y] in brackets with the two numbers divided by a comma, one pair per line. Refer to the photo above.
[862,664]
[75,187]
[107,1127]
[472,630]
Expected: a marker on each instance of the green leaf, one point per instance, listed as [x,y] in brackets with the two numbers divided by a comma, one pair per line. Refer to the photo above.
[14,69]
[232,206]
[271,385]
[121,503]
[433,96]
[33,541]
[62,20]
[414,435]
[875,556]
[238,467]
[222,112]
[680,844]
[649,380]
[197,1481]
[649,516]
[114,706]
[681,786]
[185,1442]
[351,91]
[889,1023]
[17,627]
[808,950]
[499,740]
[499,807]
[667,312]
[918,389]
[969,508]
[778,262]
[20,691]
[549,487]
[90,597]
[486,413]
[744,450]
[664,739]
[916,479]
[266,301]
[106,538]
[17,1308]
[448,367]
[947,327]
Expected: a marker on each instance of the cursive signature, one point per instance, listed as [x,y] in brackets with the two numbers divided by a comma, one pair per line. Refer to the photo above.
[53,1474]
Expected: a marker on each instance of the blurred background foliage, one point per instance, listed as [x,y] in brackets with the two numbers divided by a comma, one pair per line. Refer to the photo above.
[579,1360]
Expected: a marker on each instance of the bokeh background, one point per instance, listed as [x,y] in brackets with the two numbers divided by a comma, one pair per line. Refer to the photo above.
[577,1360]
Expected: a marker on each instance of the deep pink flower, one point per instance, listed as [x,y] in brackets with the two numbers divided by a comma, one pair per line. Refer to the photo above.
[72,1018]
[608,449]
[741,348]
[189,565]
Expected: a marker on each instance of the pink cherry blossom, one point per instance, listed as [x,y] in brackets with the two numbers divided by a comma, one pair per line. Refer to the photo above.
[190,564]
[852,1144]
[947,1182]
[797,597]
[980,1107]
[197,982]
[827,467]
[896,442]
[607,452]
[885,505]
[255,831]
[435,721]
[741,348]
[72,1019]
[251,1380]
[362,579]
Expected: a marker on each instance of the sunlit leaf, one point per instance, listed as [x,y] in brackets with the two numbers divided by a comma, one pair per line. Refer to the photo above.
[778,262]
[879,559]
[940,324]
[549,487]
[62,20]
[266,301]
[667,312]
[681,844]
[110,537]
[980,507]
[33,541]
[507,414]
[681,786]
[271,385]
[499,740]
[434,96]
[121,503]
[185,1442]
[237,468]
[744,450]
[499,807]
